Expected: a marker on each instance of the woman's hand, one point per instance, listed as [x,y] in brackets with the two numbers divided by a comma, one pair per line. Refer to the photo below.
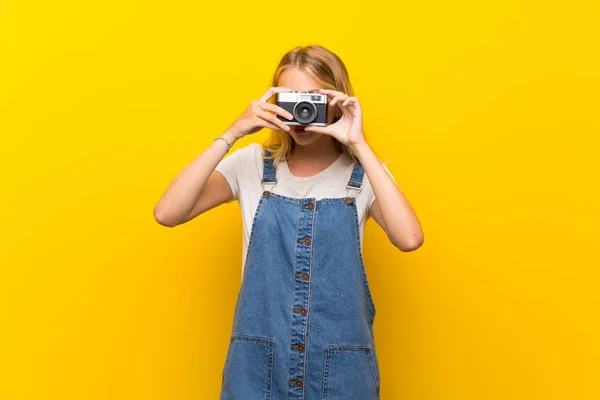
[261,114]
[349,128]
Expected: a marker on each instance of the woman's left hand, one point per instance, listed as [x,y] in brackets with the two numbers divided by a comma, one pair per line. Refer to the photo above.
[349,128]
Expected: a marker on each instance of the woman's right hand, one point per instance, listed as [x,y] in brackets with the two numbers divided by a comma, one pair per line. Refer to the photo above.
[261,114]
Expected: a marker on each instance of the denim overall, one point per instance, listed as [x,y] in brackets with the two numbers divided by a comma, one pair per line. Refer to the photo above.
[303,322]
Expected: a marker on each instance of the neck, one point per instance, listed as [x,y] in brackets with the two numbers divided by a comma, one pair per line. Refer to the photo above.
[324,148]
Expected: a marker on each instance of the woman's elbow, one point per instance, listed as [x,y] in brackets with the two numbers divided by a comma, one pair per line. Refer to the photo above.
[163,218]
[411,243]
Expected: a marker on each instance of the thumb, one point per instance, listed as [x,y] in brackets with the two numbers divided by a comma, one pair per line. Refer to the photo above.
[318,129]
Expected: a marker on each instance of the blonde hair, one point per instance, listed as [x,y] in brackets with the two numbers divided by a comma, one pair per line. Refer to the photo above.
[329,71]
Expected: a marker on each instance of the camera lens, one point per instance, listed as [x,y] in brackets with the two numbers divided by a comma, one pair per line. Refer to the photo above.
[305,112]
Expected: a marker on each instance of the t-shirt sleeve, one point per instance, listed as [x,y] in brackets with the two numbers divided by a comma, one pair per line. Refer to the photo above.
[235,167]
[229,167]
[371,193]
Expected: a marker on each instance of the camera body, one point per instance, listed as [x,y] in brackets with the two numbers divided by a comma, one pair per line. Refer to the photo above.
[308,109]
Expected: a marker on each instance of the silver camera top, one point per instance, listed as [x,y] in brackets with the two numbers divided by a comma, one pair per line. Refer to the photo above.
[295,96]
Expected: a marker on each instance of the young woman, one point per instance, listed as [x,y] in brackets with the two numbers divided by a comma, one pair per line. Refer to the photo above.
[303,322]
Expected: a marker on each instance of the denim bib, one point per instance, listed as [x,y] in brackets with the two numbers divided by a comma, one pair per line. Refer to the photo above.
[303,321]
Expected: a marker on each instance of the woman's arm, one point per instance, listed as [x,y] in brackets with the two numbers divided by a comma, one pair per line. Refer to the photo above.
[198,187]
[391,209]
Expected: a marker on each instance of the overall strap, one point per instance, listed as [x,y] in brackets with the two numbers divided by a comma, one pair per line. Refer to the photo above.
[269,177]
[355,181]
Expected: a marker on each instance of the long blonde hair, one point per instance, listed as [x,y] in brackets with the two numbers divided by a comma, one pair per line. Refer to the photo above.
[329,71]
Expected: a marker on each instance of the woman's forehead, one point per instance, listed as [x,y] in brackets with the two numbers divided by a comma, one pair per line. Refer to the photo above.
[299,80]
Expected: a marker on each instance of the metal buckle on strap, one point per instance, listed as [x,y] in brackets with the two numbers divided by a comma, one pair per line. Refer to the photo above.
[358,189]
[269,183]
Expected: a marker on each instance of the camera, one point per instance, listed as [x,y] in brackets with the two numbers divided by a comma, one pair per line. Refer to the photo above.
[308,109]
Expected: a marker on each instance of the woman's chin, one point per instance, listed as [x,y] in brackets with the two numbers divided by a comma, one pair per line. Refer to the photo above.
[307,138]
[300,133]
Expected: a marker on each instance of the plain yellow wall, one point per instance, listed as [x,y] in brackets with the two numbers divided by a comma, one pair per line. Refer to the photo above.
[488,115]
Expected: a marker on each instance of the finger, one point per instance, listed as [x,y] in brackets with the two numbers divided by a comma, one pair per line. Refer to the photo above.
[349,100]
[266,124]
[338,98]
[331,93]
[276,109]
[270,125]
[271,92]
[273,119]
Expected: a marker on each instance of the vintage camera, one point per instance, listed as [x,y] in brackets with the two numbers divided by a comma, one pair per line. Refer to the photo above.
[308,109]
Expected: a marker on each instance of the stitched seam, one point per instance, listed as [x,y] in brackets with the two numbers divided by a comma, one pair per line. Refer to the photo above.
[310,263]
[325,372]
[349,349]
[270,372]
[332,349]
[251,338]
[304,199]
[250,240]
[372,364]
[294,277]
[362,263]
[269,346]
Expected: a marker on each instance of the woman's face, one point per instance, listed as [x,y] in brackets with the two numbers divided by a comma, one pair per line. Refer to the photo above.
[298,80]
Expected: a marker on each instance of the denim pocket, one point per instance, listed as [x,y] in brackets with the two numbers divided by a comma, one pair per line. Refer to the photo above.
[350,373]
[248,369]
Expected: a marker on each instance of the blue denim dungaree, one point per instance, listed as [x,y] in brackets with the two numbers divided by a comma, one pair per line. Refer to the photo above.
[303,322]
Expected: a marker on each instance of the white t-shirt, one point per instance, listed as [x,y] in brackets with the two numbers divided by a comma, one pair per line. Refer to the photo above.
[243,170]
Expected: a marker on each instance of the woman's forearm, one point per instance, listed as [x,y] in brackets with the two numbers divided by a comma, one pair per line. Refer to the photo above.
[401,222]
[181,195]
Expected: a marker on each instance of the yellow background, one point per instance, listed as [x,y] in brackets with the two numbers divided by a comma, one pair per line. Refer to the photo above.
[488,115]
